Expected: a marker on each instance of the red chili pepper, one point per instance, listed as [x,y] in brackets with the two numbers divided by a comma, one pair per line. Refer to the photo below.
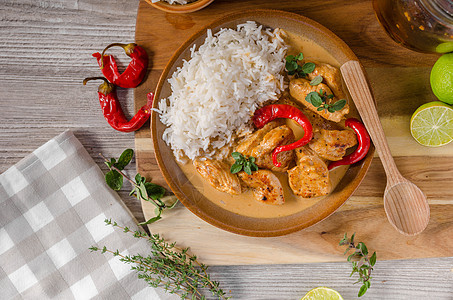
[135,71]
[362,149]
[268,113]
[112,108]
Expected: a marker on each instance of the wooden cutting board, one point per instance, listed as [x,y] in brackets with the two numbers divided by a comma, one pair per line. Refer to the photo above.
[400,80]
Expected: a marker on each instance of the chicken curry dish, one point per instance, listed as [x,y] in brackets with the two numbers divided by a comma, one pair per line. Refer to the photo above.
[300,147]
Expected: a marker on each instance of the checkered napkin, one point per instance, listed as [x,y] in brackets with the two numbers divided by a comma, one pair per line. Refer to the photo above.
[52,209]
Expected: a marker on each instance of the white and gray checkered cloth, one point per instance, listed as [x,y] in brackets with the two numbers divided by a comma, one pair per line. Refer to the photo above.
[52,209]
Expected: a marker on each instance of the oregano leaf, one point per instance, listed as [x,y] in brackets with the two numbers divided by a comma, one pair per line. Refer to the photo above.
[235,168]
[317,80]
[154,191]
[339,105]
[114,180]
[308,67]
[125,159]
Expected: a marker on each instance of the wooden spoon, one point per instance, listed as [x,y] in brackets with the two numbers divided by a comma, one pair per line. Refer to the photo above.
[405,204]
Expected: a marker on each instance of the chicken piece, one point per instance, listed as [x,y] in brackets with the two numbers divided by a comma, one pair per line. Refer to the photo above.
[282,135]
[310,178]
[265,186]
[261,144]
[332,144]
[300,88]
[253,140]
[331,76]
[218,175]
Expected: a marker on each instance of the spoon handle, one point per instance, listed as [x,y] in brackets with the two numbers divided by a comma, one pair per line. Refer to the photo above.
[361,95]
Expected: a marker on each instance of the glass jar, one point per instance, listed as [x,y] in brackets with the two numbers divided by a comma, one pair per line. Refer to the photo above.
[420,25]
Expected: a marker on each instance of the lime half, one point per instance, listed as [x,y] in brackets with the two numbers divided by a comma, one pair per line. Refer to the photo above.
[432,124]
[441,78]
[322,293]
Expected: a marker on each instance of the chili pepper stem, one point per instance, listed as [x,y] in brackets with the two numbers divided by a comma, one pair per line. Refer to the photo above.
[126,48]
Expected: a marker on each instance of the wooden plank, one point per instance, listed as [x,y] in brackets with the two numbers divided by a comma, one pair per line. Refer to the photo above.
[401,84]
[89,25]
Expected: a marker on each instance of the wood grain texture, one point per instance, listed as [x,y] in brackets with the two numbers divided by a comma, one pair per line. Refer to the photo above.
[393,82]
[45,52]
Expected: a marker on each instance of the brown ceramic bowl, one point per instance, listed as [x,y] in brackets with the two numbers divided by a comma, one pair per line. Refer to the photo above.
[180,9]
[196,201]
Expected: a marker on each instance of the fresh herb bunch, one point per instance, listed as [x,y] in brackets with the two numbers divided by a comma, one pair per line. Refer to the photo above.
[319,100]
[361,264]
[248,164]
[293,68]
[142,189]
[168,267]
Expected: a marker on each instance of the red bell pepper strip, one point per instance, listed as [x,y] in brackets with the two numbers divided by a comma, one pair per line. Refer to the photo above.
[135,71]
[112,108]
[363,139]
[268,113]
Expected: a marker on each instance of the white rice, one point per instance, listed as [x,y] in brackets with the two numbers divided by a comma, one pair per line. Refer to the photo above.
[216,92]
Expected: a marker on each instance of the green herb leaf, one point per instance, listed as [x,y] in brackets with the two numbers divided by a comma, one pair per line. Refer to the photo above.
[317,80]
[308,67]
[235,168]
[150,221]
[352,237]
[114,180]
[339,105]
[320,108]
[154,191]
[299,56]
[248,164]
[362,290]
[291,66]
[237,155]
[330,109]
[290,58]
[138,178]
[373,259]
[125,159]
[362,247]
[330,96]
[247,169]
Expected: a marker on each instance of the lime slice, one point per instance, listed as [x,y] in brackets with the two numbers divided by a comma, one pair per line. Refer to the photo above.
[322,293]
[432,124]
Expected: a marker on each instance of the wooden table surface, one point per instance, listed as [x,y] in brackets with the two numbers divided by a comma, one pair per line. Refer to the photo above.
[45,53]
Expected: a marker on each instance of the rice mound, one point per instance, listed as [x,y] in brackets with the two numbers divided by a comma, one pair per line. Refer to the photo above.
[218,89]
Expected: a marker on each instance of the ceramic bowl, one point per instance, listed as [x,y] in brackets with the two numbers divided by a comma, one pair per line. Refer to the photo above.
[215,214]
[180,9]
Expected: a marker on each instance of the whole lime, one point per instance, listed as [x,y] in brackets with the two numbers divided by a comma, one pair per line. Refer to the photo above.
[442,78]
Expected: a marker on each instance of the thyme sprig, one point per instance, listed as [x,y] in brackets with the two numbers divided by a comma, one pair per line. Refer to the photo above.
[361,264]
[319,100]
[142,190]
[169,267]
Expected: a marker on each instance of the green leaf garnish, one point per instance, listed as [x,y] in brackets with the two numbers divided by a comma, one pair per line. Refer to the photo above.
[114,180]
[293,68]
[338,105]
[242,163]
[319,100]
[308,67]
[317,80]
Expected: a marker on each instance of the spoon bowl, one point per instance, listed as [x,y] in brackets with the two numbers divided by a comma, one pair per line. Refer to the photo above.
[406,207]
